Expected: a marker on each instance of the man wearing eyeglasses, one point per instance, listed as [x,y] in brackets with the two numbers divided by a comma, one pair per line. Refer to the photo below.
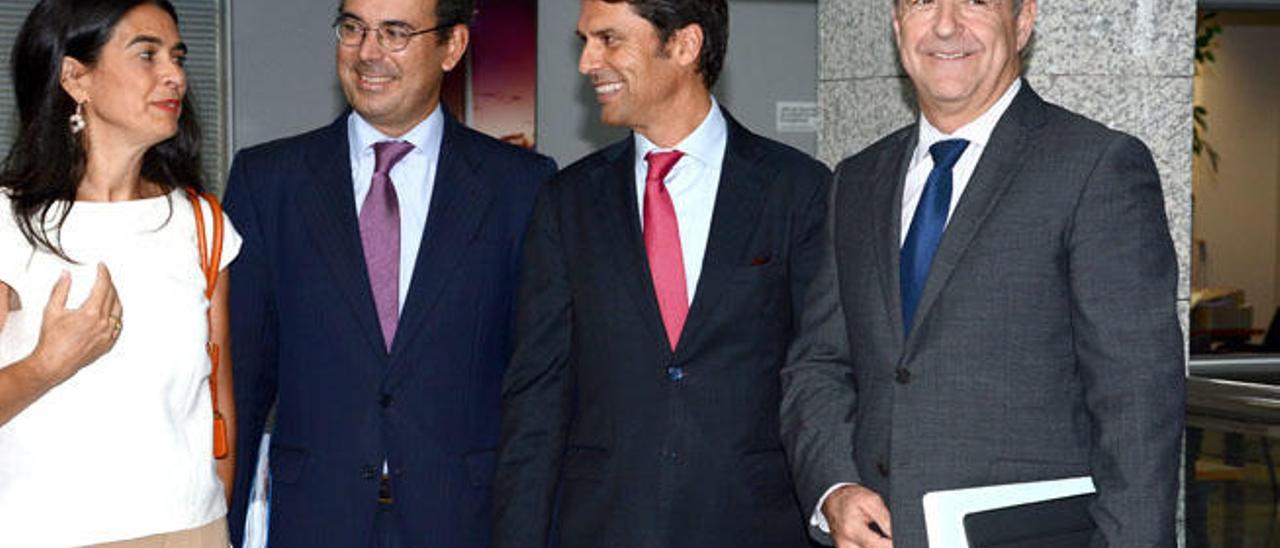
[374,297]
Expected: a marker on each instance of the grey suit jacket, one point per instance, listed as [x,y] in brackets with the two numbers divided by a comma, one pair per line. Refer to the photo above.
[1046,342]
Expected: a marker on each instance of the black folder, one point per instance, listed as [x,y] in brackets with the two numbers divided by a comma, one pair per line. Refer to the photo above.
[1056,523]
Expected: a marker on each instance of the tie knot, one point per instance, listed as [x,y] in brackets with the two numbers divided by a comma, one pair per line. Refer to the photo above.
[947,153]
[660,163]
[387,153]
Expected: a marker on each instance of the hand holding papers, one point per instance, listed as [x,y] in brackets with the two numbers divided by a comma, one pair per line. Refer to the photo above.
[945,511]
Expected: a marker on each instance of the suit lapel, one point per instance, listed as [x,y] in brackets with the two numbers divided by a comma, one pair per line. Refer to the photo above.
[888,226]
[739,200]
[1004,154]
[458,205]
[615,183]
[330,213]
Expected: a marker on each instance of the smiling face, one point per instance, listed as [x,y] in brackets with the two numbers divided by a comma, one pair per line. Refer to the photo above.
[395,90]
[961,55]
[132,95]
[639,81]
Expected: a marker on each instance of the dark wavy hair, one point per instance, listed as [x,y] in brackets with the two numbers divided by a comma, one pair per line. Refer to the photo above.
[668,16]
[46,163]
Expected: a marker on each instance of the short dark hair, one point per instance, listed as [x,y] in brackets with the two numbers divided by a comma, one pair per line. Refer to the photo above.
[47,161]
[668,16]
[449,13]
[452,13]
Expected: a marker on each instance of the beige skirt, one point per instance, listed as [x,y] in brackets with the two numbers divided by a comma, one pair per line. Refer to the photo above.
[213,535]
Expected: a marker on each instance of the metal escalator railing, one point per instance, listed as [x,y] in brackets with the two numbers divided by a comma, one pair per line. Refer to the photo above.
[1238,393]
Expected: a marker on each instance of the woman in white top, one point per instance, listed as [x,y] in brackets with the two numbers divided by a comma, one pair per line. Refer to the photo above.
[105,407]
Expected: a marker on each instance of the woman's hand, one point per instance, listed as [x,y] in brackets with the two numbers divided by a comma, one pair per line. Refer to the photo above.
[69,340]
[8,303]
[73,338]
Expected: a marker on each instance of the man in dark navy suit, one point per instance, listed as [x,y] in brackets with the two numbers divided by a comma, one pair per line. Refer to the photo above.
[373,298]
[656,305]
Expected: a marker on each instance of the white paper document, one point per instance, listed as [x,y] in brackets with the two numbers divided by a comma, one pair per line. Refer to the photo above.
[944,511]
[257,518]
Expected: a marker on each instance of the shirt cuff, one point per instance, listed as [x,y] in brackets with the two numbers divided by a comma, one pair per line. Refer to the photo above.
[818,519]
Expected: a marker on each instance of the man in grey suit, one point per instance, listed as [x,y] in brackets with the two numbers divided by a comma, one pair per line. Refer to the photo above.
[998,306]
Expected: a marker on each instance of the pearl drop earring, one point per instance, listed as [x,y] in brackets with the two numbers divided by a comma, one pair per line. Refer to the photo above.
[77,119]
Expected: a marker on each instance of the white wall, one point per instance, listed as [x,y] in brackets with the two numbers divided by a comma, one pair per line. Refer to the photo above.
[282,78]
[1237,209]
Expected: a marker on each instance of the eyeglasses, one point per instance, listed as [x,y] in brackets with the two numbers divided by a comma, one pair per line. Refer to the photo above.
[391,36]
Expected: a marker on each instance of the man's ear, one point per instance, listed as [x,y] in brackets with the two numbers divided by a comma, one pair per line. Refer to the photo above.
[897,28]
[75,79]
[685,44]
[1026,21]
[456,46]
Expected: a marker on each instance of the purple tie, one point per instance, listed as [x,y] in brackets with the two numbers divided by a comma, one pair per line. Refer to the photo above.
[380,235]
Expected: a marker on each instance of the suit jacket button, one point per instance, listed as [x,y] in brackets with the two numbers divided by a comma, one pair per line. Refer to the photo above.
[884,470]
[903,376]
[675,373]
[386,400]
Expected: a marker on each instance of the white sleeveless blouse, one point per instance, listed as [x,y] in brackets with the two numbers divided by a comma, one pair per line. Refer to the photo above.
[124,448]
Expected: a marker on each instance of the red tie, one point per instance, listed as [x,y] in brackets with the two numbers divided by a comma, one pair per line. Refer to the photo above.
[662,243]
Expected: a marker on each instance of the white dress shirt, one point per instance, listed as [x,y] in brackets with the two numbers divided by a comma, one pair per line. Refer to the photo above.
[414,178]
[978,133]
[692,184]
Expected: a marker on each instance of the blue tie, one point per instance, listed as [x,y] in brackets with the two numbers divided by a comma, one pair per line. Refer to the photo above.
[927,225]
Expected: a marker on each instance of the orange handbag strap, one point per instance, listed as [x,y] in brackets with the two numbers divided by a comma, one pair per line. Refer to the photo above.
[210,260]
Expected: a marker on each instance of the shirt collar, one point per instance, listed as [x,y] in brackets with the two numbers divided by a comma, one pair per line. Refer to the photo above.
[705,144]
[424,137]
[977,132]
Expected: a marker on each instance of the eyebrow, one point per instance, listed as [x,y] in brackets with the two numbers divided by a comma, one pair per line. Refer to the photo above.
[396,22]
[596,33]
[148,39]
